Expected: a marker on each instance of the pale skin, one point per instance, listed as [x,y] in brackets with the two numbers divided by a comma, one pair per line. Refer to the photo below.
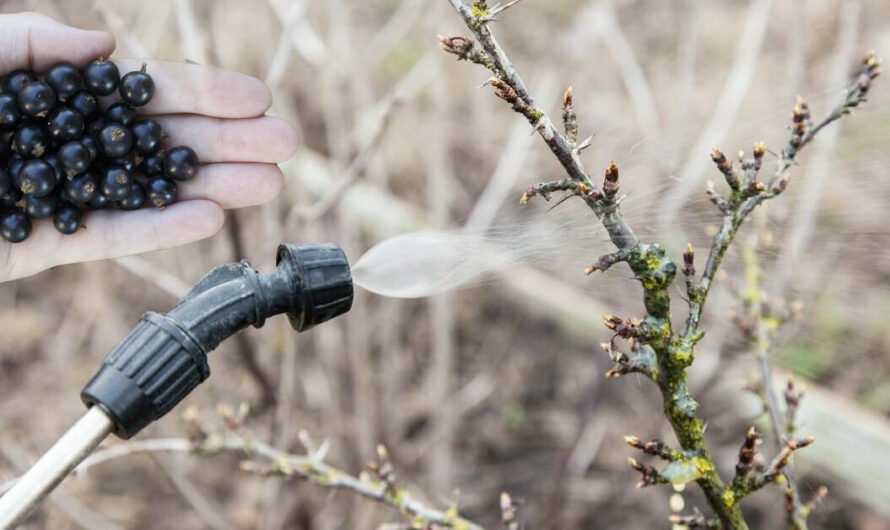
[218,113]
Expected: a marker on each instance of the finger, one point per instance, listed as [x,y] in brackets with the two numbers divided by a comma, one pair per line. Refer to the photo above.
[35,41]
[263,139]
[197,89]
[235,185]
[111,234]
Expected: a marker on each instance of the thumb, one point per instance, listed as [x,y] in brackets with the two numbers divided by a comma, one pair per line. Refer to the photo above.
[35,41]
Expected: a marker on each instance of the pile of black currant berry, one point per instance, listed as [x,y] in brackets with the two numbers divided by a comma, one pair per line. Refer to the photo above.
[61,154]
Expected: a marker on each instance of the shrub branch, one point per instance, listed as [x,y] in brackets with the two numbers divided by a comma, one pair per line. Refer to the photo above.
[657,350]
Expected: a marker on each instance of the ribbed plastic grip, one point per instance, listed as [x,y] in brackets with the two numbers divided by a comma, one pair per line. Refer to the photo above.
[325,283]
[147,374]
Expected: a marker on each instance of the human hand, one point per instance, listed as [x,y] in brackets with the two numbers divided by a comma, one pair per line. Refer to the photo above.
[216,112]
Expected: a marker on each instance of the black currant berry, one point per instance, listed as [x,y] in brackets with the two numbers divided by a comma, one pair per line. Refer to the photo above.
[82,188]
[65,79]
[30,140]
[15,167]
[95,127]
[161,192]
[101,77]
[37,99]
[68,218]
[13,82]
[13,200]
[37,178]
[15,226]
[129,161]
[115,140]
[75,157]
[120,113]
[58,170]
[10,114]
[92,146]
[137,88]
[181,163]
[41,207]
[64,124]
[115,183]
[135,200]
[147,136]
[98,202]
[153,164]
[86,104]
[5,182]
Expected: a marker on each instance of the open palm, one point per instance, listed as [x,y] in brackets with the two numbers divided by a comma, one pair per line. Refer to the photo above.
[217,112]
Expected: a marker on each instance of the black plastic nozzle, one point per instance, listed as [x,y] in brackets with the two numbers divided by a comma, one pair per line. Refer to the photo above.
[164,357]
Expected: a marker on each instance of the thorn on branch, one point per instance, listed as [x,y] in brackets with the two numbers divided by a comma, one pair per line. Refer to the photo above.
[509,512]
[569,118]
[610,183]
[648,475]
[654,447]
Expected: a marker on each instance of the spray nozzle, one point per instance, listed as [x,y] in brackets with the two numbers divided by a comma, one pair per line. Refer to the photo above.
[164,357]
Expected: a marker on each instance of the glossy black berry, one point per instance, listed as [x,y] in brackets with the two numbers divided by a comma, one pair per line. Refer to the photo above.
[82,188]
[135,200]
[30,140]
[115,140]
[101,77]
[10,114]
[41,207]
[13,82]
[14,168]
[153,164]
[75,157]
[161,192]
[5,182]
[86,104]
[181,163]
[56,164]
[37,177]
[95,127]
[129,161]
[68,218]
[12,200]
[115,183]
[64,124]
[120,113]
[92,146]
[15,226]
[137,88]
[98,202]
[37,99]
[65,79]
[147,136]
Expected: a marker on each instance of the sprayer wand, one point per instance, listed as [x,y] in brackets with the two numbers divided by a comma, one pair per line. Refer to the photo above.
[164,357]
